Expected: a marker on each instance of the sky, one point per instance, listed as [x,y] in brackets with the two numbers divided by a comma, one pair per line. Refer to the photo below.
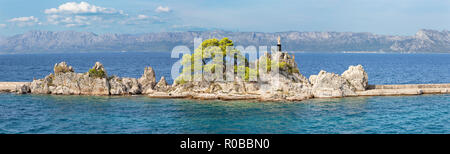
[392,17]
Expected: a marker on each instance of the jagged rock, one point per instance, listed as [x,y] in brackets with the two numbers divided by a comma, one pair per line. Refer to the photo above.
[147,81]
[199,87]
[357,77]
[62,68]
[252,87]
[117,87]
[312,79]
[286,84]
[93,86]
[124,86]
[281,86]
[215,88]
[238,86]
[70,83]
[331,85]
[99,66]
[41,86]
[132,85]
[65,83]
[98,71]
[162,85]
[23,89]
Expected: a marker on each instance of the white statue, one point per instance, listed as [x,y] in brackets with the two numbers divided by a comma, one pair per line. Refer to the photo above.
[279,40]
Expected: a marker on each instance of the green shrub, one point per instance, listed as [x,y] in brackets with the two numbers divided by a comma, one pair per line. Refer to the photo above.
[180,81]
[97,73]
[281,65]
[294,70]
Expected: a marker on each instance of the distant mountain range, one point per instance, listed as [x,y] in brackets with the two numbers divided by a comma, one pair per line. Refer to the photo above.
[70,41]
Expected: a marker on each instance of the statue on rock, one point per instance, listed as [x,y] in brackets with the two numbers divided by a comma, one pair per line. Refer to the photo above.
[279,44]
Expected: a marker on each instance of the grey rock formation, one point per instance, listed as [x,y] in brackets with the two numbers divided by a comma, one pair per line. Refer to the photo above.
[285,84]
[71,83]
[331,85]
[132,85]
[67,83]
[357,77]
[23,89]
[117,87]
[327,84]
[62,68]
[312,79]
[124,86]
[42,86]
[162,85]
[99,67]
[147,81]
[94,82]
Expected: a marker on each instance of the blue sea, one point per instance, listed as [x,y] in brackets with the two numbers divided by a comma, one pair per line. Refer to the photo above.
[140,114]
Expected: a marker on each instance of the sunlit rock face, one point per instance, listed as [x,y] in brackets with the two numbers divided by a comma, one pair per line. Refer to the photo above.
[327,84]
[147,81]
[357,77]
[331,85]
[162,85]
[62,68]
[99,67]
[66,82]
[124,86]
[23,89]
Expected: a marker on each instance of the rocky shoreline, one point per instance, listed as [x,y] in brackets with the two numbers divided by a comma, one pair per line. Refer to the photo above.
[288,84]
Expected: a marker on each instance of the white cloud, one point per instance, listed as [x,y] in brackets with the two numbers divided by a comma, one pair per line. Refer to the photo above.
[80,8]
[161,9]
[53,19]
[72,14]
[73,21]
[141,16]
[2,25]
[25,21]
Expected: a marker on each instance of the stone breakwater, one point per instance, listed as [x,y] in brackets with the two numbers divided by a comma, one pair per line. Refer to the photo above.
[286,84]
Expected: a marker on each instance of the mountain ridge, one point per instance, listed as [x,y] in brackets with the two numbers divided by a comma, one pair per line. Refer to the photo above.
[425,40]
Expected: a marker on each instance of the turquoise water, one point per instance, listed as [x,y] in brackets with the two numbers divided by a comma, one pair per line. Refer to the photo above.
[87,114]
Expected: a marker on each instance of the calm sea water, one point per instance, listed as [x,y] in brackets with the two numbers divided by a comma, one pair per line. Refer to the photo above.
[139,114]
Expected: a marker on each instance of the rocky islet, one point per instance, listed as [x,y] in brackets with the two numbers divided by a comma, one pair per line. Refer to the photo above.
[285,84]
